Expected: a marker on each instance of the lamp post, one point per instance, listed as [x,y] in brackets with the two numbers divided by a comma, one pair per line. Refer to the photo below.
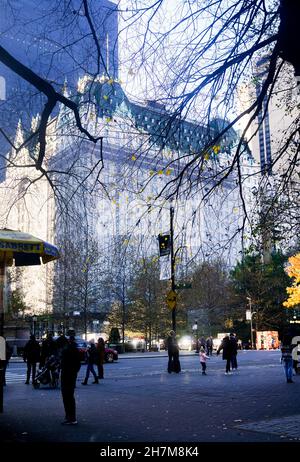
[34,320]
[172,263]
[95,326]
[249,316]
[166,249]
[195,330]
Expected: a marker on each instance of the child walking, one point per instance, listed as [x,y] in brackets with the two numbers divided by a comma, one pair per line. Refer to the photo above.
[203,358]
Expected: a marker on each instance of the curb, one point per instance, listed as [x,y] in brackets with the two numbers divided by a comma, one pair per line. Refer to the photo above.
[122,356]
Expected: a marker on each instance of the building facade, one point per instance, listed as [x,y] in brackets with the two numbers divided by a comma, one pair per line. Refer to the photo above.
[103,198]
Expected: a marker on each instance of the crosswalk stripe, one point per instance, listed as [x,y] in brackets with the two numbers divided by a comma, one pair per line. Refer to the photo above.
[11,377]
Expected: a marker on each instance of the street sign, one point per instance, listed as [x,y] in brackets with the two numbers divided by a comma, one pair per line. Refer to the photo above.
[248,315]
[171,299]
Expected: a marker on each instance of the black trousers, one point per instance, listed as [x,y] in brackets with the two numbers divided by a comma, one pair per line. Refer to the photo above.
[228,363]
[31,366]
[68,382]
[234,361]
[174,363]
[100,371]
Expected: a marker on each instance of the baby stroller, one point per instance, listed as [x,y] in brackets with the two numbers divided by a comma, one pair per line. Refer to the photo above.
[49,374]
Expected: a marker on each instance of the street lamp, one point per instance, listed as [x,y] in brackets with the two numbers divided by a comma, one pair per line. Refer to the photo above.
[249,315]
[172,262]
[34,320]
[195,330]
[96,326]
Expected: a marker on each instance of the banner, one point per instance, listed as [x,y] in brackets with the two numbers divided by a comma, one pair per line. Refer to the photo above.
[165,267]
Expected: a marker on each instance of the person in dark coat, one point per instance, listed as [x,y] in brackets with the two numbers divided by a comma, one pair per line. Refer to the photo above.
[48,349]
[209,346]
[287,360]
[173,353]
[61,343]
[226,346]
[92,358]
[234,346]
[70,365]
[101,357]
[31,356]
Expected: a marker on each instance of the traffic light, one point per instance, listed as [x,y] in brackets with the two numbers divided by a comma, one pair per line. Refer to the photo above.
[164,241]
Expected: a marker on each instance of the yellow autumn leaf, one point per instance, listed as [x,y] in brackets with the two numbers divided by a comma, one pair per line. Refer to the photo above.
[293,270]
[206,156]
[108,119]
[110,81]
[151,172]
[216,149]
[168,171]
[160,172]
[133,157]
[105,97]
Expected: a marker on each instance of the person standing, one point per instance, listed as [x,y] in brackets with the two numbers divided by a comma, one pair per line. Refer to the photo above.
[234,348]
[287,360]
[31,356]
[61,343]
[92,358]
[203,358]
[101,357]
[173,353]
[48,349]
[209,345]
[202,342]
[226,346]
[70,365]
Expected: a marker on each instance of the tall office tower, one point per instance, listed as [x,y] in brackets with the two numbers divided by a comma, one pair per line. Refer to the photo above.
[265,153]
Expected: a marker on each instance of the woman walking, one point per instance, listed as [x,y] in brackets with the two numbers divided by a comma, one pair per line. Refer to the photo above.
[227,348]
[100,358]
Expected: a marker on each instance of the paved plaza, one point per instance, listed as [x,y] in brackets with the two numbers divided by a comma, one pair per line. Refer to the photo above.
[138,401]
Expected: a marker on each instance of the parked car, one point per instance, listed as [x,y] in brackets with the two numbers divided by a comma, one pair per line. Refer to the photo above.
[216,343]
[111,355]
[185,343]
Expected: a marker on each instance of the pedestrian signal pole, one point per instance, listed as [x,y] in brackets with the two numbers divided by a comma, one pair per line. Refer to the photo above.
[172,264]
